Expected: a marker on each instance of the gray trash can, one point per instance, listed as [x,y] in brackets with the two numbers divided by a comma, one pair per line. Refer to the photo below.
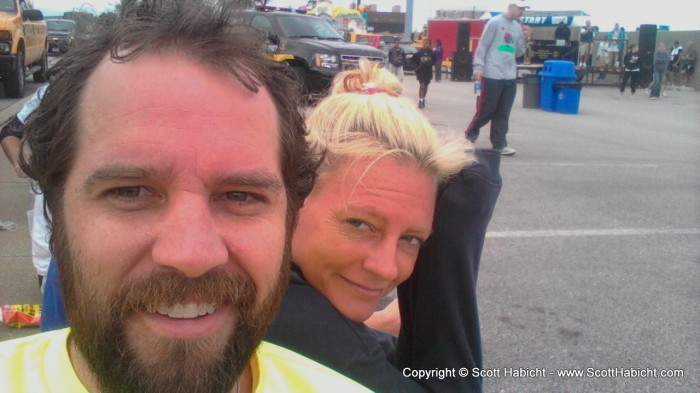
[531,91]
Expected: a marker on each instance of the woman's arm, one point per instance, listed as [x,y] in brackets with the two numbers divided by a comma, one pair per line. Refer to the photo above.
[440,321]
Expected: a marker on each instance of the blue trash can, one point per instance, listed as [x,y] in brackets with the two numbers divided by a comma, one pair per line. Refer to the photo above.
[566,97]
[554,71]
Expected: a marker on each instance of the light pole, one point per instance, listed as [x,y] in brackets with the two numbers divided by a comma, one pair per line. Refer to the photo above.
[408,23]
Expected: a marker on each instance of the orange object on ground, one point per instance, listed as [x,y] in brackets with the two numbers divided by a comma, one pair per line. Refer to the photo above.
[21,315]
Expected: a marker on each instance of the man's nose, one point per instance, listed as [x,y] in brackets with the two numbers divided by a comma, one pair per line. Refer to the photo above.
[189,239]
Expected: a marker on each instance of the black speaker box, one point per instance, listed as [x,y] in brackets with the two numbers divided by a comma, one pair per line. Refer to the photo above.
[647,46]
[462,67]
[463,31]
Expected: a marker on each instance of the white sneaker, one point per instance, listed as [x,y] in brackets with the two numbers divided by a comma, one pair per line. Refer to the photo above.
[507,151]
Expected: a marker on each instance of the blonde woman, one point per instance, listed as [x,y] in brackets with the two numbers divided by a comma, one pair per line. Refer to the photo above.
[362,227]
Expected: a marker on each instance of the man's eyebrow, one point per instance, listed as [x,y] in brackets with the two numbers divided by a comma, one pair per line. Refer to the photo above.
[255,178]
[111,173]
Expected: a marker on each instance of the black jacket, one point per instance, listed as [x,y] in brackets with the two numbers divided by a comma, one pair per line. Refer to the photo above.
[424,60]
[307,323]
[632,61]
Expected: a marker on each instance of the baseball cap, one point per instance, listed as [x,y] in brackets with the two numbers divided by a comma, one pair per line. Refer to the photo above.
[520,3]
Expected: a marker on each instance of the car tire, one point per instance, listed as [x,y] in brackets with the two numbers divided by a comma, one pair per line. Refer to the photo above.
[41,75]
[14,83]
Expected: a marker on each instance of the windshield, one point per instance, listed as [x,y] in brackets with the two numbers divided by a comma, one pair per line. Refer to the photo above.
[7,6]
[301,27]
[60,25]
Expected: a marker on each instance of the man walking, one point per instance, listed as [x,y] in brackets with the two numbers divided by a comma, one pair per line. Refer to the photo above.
[396,58]
[503,39]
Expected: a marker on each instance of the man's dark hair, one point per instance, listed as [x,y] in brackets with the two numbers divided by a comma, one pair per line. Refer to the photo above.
[207,31]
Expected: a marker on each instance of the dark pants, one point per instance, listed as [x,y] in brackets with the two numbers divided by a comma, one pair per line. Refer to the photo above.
[438,71]
[633,77]
[493,105]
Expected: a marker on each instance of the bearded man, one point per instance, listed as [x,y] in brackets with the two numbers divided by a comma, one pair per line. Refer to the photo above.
[172,156]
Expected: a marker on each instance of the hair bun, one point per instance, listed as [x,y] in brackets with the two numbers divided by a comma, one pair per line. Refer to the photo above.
[369,78]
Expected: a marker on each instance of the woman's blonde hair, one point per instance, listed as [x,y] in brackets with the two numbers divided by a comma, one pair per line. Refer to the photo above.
[365,117]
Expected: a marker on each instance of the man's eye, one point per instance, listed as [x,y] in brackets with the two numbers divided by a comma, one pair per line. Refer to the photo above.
[241,197]
[128,193]
[131,197]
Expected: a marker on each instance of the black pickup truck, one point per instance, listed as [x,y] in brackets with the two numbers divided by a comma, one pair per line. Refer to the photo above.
[311,46]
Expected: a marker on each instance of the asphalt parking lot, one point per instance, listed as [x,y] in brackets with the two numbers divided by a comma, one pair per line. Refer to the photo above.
[590,274]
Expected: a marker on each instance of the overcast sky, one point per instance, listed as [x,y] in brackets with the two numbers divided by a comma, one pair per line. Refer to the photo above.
[678,14]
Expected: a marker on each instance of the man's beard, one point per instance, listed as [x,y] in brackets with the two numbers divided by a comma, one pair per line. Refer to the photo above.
[124,358]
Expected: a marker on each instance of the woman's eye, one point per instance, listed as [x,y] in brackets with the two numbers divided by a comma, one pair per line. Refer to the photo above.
[359,224]
[413,241]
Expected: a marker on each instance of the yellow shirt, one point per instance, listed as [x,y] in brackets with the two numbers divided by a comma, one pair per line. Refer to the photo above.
[40,364]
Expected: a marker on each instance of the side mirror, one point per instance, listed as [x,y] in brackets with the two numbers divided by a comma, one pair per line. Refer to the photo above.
[32,15]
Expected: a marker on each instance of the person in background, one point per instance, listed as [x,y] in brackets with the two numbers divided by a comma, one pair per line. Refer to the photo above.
[10,140]
[585,44]
[615,44]
[687,62]
[439,54]
[622,42]
[674,63]
[396,59]
[503,40]
[424,59]
[53,315]
[632,66]
[661,60]
[563,33]
[173,236]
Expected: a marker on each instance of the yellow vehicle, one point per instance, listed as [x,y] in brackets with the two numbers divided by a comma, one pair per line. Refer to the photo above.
[23,46]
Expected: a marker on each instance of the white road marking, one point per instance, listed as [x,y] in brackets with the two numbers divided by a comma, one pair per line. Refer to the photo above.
[579,164]
[591,232]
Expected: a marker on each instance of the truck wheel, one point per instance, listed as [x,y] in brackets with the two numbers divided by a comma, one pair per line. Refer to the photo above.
[40,76]
[14,83]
